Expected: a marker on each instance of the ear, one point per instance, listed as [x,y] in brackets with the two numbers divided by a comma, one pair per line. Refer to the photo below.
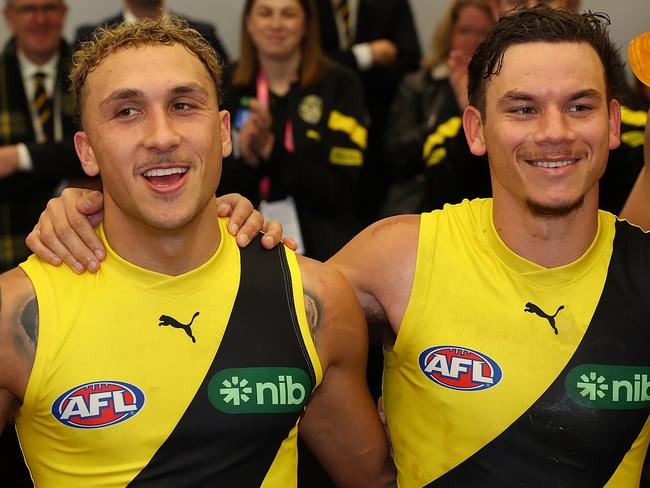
[473,127]
[614,124]
[226,141]
[86,154]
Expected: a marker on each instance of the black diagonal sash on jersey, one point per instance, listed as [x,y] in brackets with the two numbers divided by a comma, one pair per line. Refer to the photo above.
[556,442]
[211,448]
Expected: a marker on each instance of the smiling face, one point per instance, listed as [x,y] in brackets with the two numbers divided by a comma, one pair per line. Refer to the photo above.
[154,132]
[547,127]
[37,25]
[277,28]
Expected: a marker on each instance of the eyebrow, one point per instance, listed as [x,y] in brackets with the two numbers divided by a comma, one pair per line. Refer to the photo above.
[129,93]
[520,96]
[122,94]
[189,88]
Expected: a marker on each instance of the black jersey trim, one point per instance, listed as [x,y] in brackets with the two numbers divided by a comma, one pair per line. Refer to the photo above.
[557,442]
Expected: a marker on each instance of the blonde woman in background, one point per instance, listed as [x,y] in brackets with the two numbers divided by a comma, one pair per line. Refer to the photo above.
[430,99]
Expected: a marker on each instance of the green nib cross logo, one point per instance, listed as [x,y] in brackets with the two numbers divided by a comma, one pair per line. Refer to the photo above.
[236,391]
[592,385]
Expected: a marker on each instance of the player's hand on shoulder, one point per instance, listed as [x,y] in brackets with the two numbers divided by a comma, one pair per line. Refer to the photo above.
[246,222]
[65,230]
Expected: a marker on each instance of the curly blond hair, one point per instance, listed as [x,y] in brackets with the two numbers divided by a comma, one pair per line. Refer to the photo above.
[166,30]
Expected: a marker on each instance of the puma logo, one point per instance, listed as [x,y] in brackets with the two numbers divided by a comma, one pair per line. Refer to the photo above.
[532,308]
[171,321]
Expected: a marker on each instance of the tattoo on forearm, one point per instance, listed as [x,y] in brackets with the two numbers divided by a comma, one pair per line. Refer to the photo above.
[313,310]
[29,320]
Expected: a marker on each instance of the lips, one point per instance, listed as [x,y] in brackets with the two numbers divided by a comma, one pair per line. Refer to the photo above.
[165,178]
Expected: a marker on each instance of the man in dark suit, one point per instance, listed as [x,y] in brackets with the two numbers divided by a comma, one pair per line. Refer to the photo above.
[36,146]
[378,39]
[139,9]
[36,120]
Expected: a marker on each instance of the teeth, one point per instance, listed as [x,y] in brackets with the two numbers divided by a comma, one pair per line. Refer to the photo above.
[164,172]
[552,164]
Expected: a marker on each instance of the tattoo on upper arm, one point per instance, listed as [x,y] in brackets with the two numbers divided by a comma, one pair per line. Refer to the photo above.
[313,310]
[25,327]
[29,320]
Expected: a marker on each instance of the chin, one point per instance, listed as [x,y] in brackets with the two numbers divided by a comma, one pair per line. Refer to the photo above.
[553,211]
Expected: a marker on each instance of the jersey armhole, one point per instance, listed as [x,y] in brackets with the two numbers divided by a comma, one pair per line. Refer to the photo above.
[422,282]
[299,309]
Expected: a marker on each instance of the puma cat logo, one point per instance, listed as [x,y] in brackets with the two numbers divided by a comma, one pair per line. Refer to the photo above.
[171,321]
[532,308]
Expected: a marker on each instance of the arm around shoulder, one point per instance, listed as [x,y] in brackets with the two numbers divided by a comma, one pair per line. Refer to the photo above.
[379,263]
[341,424]
[18,337]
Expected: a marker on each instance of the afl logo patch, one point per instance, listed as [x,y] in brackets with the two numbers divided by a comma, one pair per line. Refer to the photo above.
[98,404]
[311,109]
[459,368]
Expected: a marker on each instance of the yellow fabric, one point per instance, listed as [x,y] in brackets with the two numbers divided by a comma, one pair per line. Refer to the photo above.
[634,117]
[628,473]
[312,134]
[283,471]
[344,156]
[444,131]
[633,138]
[462,260]
[104,327]
[351,126]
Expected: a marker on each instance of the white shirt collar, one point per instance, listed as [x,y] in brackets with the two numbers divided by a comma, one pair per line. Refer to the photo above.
[29,69]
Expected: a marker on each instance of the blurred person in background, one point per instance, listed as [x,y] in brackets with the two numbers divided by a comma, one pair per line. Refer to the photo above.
[36,149]
[431,101]
[377,39]
[453,173]
[142,9]
[298,125]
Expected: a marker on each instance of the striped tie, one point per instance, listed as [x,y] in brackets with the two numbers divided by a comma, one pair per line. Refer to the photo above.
[343,11]
[43,107]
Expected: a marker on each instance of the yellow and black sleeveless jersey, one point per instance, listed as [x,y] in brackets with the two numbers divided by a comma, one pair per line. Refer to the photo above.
[144,379]
[505,373]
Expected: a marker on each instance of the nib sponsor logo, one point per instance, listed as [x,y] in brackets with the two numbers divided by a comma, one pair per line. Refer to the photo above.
[609,387]
[259,390]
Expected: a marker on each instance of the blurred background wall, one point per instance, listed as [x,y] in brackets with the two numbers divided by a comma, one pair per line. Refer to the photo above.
[629,17]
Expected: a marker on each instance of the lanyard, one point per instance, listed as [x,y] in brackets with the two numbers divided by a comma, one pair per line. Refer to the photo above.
[263,99]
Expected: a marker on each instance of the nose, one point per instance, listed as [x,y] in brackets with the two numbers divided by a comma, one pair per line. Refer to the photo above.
[40,16]
[554,127]
[161,132]
[276,20]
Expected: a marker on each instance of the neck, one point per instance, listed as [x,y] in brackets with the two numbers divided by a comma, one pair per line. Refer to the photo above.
[281,71]
[39,59]
[171,252]
[547,241]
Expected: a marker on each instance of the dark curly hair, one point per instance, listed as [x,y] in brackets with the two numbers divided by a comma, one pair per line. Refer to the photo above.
[544,24]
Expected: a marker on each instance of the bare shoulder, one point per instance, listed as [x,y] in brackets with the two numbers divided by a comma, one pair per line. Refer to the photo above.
[18,330]
[333,311]
[380,263]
